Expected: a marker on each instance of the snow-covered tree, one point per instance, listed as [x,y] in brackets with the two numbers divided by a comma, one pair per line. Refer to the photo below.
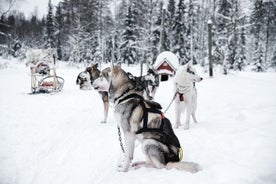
[181,44]
[59,26]
[50,28]
[258,64]
[240,59]
[171,17]
[129,52]
[273,61]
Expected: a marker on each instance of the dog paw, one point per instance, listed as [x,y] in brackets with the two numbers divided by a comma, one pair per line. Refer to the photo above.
[186,127]
[195,168]
[122,169]
[177,125]
[137,165]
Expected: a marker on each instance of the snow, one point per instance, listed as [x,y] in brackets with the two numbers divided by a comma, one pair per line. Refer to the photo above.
[58,138]
[168,56]
[165,72]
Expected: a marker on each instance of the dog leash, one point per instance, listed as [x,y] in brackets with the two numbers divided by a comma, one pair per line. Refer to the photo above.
[174,96]
[120,139]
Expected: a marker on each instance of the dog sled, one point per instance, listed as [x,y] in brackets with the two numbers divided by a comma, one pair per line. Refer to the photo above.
[43,72]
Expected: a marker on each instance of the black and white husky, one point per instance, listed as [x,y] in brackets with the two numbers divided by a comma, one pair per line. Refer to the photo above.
[141,120]
[186,94]
[85,80]
[153,82]
[147,84]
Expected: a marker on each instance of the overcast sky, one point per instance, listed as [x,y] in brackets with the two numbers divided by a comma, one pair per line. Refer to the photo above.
[28,6]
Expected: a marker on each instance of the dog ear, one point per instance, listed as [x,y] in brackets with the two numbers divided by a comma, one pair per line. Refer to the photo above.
[190,64]
[115,70]
[95,66]
[88,69]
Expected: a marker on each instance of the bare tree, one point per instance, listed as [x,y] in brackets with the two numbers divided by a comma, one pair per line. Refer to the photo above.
[8,4]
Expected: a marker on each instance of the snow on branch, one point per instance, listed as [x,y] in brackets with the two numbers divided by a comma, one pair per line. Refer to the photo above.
[227,18]
[10,5]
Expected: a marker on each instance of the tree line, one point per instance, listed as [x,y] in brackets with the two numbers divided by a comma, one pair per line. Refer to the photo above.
[136,31]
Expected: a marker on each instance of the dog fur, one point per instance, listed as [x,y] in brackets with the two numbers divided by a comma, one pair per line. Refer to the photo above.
[147,84]
[186,93]
[85,80]
[153,82]
[130,111]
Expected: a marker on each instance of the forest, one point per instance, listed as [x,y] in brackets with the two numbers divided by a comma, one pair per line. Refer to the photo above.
[136,31]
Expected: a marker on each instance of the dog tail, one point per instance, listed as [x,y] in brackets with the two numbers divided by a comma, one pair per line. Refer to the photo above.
[185,166]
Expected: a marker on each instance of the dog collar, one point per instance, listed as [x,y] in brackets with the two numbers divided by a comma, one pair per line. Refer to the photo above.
[120,98]
[183,89]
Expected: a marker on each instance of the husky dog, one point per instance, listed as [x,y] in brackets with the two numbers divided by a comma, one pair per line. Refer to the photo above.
[143,120]
[186,94]
[146,84]
[85,80]
[153,82]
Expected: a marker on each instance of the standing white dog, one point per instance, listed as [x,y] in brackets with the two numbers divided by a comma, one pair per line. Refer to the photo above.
[186,94]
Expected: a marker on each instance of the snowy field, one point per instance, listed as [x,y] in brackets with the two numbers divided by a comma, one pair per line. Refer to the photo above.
[58,139]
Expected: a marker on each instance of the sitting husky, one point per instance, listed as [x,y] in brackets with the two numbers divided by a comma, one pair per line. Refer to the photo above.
[143,120]
[186,94]
[85,80]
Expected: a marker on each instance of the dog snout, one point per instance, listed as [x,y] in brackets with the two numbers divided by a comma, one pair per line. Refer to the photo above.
[198,79]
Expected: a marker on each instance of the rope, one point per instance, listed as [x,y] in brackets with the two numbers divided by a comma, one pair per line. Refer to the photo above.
[174,96]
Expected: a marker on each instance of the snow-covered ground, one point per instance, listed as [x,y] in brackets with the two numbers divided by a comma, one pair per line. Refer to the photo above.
[58,139]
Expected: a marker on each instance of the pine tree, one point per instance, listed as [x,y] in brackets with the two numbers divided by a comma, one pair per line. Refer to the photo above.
[270,29]
[192,31]
[141,15]
[232,34]
[128,46]
[106,26]
[273,60]
[257,20]
[180,30]
[156,32]
[171,16]
[222,36]
[240,60]
[59,23]
[258,64]
[50,28]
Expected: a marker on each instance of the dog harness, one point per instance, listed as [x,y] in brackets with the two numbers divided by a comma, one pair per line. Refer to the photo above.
[169,138]
[181,96]
[181,90]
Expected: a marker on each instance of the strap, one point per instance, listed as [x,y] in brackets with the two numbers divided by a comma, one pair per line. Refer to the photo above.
[132,95]
[168,137]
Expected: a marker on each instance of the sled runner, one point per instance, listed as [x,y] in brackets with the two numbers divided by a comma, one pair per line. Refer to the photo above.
[43,72]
